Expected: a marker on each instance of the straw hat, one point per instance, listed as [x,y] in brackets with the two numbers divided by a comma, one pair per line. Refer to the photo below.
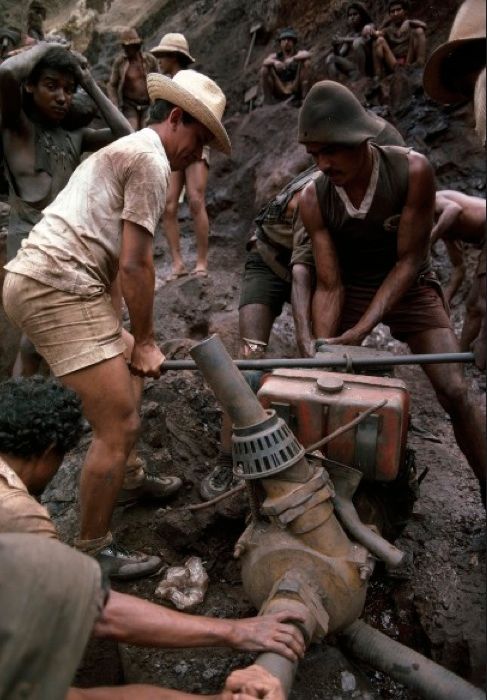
[173,43]
[444,63]
[197,95]
[130,36]
[332,114]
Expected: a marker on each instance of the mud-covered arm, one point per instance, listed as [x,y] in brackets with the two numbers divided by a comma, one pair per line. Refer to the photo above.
[135,621]
[301,302]
[137,279]
[329,294]
[413,242]
[448,213]
[303,285]
[13,71]
[118,126]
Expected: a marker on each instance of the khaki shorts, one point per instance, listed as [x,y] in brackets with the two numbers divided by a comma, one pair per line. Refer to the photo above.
[69,331]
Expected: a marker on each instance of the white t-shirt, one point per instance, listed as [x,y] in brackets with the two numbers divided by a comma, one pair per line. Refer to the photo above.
[76,245]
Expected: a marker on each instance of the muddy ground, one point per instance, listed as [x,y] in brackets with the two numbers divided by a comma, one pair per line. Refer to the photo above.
[440,611]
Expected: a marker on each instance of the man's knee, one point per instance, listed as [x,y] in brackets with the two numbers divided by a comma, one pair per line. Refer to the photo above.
[453,394]
[171,210]
[196,201]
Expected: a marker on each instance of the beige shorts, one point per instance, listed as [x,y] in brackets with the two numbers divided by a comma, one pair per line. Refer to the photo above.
[69,331]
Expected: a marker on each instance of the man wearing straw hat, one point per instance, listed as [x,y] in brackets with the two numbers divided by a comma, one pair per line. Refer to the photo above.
[57,290]
[127,87]
[455,73]
[369,216]
[173,55]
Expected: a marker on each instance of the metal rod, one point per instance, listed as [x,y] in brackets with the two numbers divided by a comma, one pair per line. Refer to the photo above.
[345,428]
[317,363]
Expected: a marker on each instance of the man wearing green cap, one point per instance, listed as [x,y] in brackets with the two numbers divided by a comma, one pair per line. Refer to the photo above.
[369,216]
[285,74]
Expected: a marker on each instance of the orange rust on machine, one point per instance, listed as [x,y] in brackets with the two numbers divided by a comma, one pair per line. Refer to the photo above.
[315,403]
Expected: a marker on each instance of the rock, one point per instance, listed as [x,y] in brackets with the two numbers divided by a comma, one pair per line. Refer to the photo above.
[348,681]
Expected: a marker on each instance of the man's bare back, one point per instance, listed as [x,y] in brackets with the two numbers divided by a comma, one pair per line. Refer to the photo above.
[467,217]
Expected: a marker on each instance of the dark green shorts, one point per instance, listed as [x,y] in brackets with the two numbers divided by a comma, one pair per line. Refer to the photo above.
[262,286]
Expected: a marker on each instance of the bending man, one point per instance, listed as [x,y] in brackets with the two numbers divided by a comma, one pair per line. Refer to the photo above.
[370,217]
[57,288]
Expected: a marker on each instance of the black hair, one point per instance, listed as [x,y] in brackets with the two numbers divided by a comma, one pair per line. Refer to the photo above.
[161,109]
[57,58]
[37,413]
[362,10]
[403,3]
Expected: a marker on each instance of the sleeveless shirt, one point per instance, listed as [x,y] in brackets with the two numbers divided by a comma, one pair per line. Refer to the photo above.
[367,247]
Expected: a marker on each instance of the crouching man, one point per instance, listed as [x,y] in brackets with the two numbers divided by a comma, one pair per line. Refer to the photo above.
[55,598]
[41,420]
[57,288]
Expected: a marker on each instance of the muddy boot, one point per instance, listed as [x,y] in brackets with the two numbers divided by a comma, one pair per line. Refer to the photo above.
[141,486]
[219,480]
[117,562]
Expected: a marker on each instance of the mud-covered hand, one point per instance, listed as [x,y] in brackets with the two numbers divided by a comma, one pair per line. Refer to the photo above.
[354,336]
[306,346]
[253,682]
[82,69]
[269,633]
[146,360]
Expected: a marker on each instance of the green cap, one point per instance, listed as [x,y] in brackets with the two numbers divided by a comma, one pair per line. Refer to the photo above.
[332,114]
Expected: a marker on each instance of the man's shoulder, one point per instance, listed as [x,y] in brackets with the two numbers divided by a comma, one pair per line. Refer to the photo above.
[20,512]
[140,150]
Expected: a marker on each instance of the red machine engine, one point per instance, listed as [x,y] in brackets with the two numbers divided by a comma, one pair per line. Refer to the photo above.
[314,403]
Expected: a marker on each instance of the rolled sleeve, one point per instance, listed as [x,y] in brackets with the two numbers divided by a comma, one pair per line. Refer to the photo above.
[302,247]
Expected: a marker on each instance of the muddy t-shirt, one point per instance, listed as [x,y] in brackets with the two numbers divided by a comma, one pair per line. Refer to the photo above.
[76,245]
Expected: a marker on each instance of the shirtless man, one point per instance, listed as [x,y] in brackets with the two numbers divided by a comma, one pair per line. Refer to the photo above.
[285,74]
[401,41]
[352,54]
[127,87]
[455,72]
[57,288]
[36,93]
[36,16]
[370,217]
[461,219]
[173,55]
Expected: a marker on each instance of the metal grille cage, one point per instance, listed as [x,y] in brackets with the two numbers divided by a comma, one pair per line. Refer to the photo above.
[264,449]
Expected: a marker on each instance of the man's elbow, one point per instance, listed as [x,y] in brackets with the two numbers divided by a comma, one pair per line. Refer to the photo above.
[302,275]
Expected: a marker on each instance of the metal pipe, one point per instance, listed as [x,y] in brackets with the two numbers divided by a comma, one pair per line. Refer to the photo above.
[321,363]
[229,386]
[345,480]
[278,665]
[430,680]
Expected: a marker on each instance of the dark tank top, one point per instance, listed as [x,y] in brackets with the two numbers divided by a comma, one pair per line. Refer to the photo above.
[367,248]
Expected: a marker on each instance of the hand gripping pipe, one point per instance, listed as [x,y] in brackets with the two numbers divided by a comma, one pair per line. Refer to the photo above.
[431,681]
